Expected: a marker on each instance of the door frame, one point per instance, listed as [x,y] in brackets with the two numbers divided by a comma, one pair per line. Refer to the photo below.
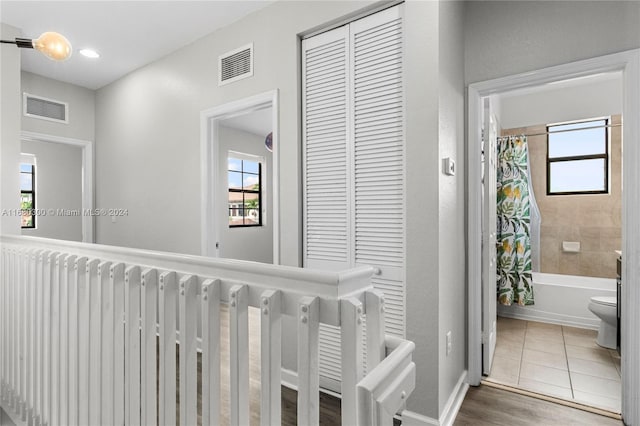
[86,146]
[628,62]
[209,147]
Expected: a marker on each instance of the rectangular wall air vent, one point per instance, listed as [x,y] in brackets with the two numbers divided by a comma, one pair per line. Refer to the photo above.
[235,65]
[45,109]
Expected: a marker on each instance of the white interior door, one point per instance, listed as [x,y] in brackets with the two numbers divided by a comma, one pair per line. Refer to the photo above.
[489,295]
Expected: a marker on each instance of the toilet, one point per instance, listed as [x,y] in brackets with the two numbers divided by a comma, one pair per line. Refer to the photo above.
[605,308]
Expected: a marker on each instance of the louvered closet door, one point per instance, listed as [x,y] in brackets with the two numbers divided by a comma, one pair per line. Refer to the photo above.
[378,171]
[325,127]
[354,162]
[327,230]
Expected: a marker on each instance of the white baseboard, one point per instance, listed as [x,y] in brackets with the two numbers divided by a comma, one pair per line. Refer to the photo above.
[529,314]
[455,400]
[411,418]
[449,413]
[289,378]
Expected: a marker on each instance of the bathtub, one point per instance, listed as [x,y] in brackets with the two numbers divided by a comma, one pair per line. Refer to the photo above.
[562,299]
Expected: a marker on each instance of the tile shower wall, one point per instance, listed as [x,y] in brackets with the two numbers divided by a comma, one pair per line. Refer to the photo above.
[593,220]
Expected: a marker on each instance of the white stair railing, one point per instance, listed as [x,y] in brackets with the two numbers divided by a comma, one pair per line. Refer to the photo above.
[88,336]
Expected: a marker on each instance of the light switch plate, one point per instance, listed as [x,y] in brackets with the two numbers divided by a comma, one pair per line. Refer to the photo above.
[449,166]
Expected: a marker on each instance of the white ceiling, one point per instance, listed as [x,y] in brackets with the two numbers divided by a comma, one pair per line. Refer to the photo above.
[127,34]
[257,122]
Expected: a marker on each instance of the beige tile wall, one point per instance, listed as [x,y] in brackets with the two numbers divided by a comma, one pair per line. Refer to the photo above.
[593,220]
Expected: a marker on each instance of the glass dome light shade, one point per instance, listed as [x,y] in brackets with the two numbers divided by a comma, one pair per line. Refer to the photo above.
[53,45]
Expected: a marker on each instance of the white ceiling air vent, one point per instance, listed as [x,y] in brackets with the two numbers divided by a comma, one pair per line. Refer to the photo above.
[45,109]
[235,65]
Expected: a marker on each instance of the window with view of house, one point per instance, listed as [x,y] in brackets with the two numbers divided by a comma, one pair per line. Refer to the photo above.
[27,195]
[245,192]
[578,157]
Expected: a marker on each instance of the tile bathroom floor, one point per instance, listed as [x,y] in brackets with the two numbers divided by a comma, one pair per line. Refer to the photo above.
[557,360]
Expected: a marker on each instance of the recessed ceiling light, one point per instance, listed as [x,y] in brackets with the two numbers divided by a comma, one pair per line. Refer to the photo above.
[89,53]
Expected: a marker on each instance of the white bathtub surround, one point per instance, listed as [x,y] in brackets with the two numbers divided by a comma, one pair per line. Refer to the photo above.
[563,299]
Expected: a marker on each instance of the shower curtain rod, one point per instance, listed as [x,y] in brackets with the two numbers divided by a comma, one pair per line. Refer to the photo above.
[562,131]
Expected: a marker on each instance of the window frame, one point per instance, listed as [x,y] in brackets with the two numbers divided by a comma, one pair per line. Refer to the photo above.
[246,191]
[33,195]
[604,156]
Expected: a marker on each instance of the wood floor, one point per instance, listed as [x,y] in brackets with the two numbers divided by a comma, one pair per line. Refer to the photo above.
[487,406]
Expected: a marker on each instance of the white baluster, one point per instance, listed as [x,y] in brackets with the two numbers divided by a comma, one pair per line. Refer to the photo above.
[374,300]
[76,277]
[94,342]
[308,379]
[211,352]
[132,345]
[168,293]
[29,308]
[116,283]
[149,344]
[188,350]
[239,354]
[38,326]
[48,275]
[30,311]
[271,358]
[83,336]
[351,312]
[23,323]
[56,321]
[65,284]
[106,358]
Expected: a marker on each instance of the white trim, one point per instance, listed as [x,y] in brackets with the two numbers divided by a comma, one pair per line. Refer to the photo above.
[455,400]
[289,378]
[629,63]
[209,144]
[449,412]
[411,418]
[26,95]
[87,174]
[26,158]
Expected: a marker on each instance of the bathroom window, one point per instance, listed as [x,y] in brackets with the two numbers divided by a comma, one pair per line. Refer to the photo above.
[245,192]
[578,157]
[27,195]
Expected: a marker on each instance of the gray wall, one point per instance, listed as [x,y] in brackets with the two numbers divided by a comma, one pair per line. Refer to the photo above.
[81,107]
[9,130]
[58,186]
[452,277]
[508,37]
[252,243]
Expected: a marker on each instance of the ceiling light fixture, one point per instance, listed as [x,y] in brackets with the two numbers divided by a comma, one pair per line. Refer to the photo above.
[89,53]
[53,45]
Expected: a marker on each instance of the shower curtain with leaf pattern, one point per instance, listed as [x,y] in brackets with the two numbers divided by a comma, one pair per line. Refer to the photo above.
[514,278]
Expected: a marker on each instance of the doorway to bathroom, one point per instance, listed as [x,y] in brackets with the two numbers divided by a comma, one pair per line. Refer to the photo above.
[548,344]
[550,347]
